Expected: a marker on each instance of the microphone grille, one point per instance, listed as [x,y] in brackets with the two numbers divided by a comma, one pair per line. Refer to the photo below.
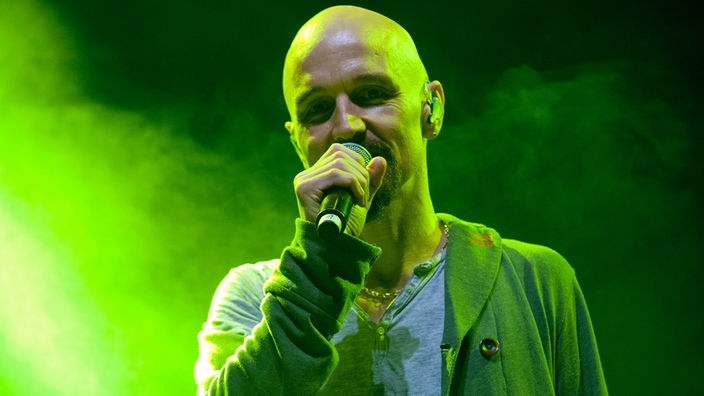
[359,149]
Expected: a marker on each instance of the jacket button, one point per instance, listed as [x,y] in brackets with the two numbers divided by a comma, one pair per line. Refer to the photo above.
[489,347]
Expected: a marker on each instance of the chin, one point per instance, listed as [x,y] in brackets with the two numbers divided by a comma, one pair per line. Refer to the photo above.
[382,199]
[377,210]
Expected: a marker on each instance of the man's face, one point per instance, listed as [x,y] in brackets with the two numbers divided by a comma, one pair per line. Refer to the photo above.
[352,87]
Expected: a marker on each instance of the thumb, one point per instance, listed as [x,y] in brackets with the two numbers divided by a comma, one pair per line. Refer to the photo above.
[377,169]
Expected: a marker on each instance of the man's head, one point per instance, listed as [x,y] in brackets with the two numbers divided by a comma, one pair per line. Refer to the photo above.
[355,75]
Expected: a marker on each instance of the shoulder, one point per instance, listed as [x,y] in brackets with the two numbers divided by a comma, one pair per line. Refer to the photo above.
[246,280]
[253,272]
[520,258]
[235,304]
[541,259]
[545,276]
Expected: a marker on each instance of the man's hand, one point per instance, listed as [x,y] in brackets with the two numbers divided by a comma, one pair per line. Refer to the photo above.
[340,167]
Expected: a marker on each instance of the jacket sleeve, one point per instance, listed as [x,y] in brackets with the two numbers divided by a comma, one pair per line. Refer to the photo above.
[578,368]
[574,354]
[305,301]
[538,312]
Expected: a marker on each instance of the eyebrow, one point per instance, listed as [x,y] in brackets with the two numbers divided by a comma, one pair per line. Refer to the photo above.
[374,78]
[377,78]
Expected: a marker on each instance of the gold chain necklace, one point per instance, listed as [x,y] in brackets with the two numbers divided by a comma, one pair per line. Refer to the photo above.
[380,295]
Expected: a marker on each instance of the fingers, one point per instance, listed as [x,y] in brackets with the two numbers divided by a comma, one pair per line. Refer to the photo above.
[340,167]
[337,167]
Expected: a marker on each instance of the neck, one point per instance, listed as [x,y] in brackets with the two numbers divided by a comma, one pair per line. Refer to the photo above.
[408,234]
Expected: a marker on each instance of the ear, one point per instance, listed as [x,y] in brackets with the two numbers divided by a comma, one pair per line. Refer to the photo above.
[433,110]
[294,141]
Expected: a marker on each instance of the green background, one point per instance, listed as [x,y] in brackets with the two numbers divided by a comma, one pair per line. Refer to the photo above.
[142,154]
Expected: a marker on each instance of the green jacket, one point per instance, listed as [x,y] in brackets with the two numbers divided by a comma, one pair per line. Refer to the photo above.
[516,319]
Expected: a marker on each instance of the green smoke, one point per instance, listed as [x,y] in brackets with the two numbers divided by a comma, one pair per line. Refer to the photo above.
[142,155]
[113,226]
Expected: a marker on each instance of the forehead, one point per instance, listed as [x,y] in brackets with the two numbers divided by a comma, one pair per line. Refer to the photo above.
[340,58]
[334,61]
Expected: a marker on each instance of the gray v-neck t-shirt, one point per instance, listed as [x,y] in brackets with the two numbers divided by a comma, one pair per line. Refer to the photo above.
[401,354]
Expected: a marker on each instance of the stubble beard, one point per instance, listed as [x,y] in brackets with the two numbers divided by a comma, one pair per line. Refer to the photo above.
[389,185]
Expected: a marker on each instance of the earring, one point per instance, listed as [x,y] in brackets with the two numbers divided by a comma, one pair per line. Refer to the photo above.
[431,120]
[436,110]
[431,104]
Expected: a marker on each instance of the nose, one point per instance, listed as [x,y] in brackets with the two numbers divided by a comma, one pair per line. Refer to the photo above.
[347,124]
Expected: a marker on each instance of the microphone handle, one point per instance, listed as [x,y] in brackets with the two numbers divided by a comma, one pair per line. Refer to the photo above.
[334,212]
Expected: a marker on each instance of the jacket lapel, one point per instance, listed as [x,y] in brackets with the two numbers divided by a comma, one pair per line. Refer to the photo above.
[471,268]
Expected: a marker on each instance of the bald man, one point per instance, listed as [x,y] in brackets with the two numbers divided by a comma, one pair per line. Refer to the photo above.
[406,301]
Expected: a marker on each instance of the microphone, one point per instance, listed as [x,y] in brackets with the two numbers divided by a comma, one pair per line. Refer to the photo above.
[337,203]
